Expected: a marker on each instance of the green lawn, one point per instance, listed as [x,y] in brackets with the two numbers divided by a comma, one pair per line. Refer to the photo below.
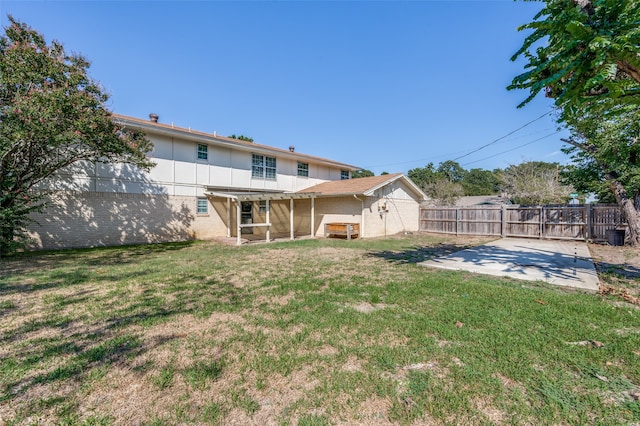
[308,332]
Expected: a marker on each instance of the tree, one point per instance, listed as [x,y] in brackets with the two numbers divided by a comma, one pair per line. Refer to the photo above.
[241,138]
[451,170]
[52,115]
[422,176]
[439,184]
[480,182]
[589,54]
[443,192]
[535,182]
[606,156]
[361,173]
[585,54]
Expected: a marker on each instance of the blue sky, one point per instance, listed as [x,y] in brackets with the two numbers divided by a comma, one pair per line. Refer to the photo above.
[386,86]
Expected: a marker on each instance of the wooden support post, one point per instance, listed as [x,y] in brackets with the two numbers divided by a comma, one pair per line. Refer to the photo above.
[291,218]
[228,217]
[503,221]
[541,231]
[457,220]
[239,229]
[268,205]
[313,217]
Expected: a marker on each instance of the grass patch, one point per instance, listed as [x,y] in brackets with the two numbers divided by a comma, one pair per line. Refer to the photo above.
[308,332]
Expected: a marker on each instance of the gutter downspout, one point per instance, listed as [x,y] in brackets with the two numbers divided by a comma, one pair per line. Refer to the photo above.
[362,234]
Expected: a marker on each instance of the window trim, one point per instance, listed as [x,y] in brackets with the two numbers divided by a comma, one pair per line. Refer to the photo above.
[198,205]
[304,169]
[264,167]
[205,152]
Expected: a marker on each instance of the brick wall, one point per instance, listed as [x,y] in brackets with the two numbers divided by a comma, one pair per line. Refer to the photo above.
[88,219]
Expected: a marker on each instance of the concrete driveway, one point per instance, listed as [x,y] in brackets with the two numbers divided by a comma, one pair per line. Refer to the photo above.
[560,262]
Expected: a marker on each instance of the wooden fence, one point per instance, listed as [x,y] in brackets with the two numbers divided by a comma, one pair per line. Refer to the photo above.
[575,222]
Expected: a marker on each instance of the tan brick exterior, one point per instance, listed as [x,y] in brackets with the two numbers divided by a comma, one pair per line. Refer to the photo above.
[88,219]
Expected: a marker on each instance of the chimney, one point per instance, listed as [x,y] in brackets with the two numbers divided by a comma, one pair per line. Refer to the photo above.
[153,117]
[292,148]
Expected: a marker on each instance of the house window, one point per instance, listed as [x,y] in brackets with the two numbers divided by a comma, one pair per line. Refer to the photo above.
[344,174]
[262,206]
[263,167]
[203,152]
[303,169]
[202,206]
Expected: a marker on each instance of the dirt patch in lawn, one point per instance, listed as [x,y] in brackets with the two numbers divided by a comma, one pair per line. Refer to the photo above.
[619,270]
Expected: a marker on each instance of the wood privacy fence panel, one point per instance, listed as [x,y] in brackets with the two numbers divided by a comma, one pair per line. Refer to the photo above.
[576,222]
[479,221]
[605,217]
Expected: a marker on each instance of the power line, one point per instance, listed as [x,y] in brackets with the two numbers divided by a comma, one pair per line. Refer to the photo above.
[475,150]
[502,137]
[513,149]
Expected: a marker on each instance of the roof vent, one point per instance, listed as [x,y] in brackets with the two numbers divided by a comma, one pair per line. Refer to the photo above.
[153,117]
[292,148]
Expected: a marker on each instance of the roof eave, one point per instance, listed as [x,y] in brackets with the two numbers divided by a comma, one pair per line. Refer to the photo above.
[196,136]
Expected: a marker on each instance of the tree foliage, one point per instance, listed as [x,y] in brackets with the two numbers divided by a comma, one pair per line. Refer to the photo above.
[52,115]
[585,55]
[422,176]
[452,171]
[361,173]
[605,152]
[443,192]
[440,184]
[241,138]
[535,183]
[480,182]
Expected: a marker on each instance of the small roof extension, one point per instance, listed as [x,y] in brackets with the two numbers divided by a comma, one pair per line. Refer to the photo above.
[361,186]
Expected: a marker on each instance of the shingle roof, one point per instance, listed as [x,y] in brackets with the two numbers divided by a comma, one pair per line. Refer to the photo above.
[359,186]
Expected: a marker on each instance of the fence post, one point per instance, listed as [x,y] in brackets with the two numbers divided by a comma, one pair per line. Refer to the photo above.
[589,213]
[542,230]
[503,220]
[457,221]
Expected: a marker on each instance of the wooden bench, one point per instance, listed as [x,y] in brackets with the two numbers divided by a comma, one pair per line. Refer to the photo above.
[342,229]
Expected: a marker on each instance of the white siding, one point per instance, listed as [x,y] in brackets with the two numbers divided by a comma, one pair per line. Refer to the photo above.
[179,172]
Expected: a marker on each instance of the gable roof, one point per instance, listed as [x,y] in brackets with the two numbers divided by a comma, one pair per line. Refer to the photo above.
[151,127]
[362,186]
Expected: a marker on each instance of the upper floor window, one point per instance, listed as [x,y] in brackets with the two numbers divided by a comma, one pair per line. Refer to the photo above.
[263,167]
[344,174]
[303,169]
[203,152]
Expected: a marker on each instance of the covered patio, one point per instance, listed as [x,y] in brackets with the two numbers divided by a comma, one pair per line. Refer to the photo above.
[236,201]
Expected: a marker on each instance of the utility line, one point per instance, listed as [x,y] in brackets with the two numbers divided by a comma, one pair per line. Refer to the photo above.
[502,137]
[469,153]
[512,149]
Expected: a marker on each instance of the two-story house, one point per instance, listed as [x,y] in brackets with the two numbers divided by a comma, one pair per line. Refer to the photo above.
[203,186]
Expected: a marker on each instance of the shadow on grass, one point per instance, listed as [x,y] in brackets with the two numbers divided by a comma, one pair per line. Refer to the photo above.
[417,254]
[95,256]
[79,360]
[77,260]
[99,321]
[619,269]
